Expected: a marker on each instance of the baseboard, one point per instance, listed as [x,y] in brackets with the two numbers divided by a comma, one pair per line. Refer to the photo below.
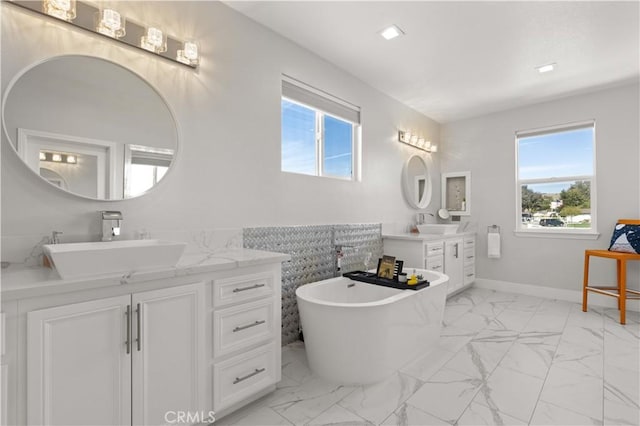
[574,296]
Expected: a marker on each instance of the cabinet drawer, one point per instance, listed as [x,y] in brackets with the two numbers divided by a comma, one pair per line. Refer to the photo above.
[434,263]
[433,248]
[240,377]
[469,243]
[469,255]
[241,326]
[469,274]
[227,291]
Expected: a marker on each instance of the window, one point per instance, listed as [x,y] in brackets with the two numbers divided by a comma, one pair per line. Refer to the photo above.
[319,132]
[556,179]
[144,167]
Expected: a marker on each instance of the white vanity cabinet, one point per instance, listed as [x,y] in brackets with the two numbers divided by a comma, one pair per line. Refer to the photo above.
[198,342]
[434,259]
[469,259]
[453,255]
[8,329]
[246,337]
[454,263]
[117,360]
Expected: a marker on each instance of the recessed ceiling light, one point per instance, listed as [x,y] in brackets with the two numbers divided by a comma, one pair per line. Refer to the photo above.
[391,32]
[546,68]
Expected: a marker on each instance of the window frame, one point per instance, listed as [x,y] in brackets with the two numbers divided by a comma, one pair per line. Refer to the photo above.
[554,232]
[324,105]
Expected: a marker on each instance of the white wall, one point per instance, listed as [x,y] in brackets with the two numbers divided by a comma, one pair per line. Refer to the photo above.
[228,168]
[486,146]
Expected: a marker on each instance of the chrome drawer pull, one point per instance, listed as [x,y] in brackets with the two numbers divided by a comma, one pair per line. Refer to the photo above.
[237,290]
[127,343]
[244,327]
[138,341]
[469,275]
[469,257]
[240,379]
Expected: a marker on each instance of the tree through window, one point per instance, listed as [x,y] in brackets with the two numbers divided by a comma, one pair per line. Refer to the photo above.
[556,178]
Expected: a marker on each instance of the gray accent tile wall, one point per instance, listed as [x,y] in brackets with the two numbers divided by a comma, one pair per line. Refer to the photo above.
[313,258]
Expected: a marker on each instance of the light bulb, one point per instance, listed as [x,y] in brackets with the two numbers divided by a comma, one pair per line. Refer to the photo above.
[110,23]
[154,40]
[61,9]
[189,54]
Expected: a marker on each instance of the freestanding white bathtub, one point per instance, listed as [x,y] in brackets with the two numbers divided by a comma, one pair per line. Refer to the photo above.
[358,333]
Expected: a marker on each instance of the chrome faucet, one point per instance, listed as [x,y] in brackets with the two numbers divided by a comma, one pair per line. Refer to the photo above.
[55,237]
[339,254]
[110,224]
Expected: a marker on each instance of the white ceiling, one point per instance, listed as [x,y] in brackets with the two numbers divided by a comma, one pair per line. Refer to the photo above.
[463,59]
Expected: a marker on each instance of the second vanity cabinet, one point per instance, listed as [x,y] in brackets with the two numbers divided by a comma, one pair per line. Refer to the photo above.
[203,340]
[453,255]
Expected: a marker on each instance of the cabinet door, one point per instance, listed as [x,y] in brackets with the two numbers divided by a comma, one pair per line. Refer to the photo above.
[453,263]
[168,345]
[78,370]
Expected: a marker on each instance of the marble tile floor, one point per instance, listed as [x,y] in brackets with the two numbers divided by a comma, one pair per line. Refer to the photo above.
[502,359]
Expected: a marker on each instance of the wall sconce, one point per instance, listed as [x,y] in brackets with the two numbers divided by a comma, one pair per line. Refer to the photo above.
[189,53]
[416,141]
[57,157]
[110,23]
[61,9]
[154,41]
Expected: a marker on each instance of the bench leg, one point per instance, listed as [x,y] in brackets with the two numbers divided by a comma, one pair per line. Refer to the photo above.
[622,284]
[585,282]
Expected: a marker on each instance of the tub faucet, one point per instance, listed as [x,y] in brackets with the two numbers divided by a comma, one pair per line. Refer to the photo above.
[339,255]
[110,224]
[55,237]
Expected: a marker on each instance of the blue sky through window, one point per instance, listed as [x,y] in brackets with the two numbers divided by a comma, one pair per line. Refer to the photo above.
[298,138]
[556,155]
[299,142]
[337,147]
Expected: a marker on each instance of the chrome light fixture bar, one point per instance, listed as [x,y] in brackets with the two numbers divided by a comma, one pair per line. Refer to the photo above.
[417,142]
[110,23]
[58,157]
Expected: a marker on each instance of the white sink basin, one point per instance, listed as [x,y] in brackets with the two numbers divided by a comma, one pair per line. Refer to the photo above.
[78,260]
[438,228]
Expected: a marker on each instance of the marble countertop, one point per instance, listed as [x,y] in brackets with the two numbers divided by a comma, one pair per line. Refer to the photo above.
[20,281]
[427,237]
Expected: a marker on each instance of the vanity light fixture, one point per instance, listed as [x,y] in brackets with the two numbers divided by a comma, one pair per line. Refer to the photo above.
[189,54]
[57,157]
[110,23]
[546,68]
[154,40]
[415,141]
[61,9]
[391,32]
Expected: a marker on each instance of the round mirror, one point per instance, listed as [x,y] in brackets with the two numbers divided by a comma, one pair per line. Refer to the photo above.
[443,214]
[416,182]
[90,127]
